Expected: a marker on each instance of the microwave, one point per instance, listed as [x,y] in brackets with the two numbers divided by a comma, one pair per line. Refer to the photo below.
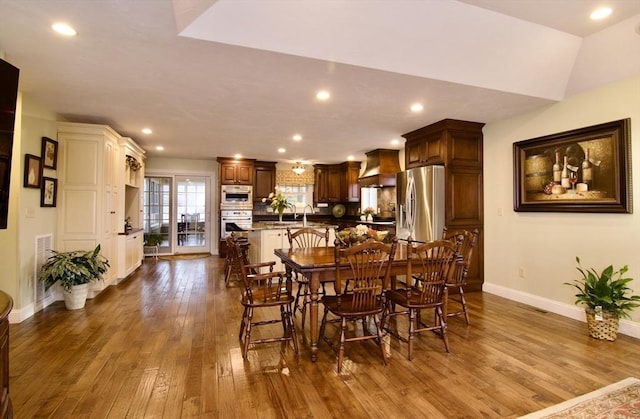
[236,197]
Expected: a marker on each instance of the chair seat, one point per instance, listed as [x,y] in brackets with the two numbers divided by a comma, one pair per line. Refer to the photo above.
[269,297]
[409,300]
[343,306]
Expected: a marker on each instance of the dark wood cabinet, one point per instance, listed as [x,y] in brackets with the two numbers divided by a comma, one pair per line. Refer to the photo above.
[457,145]
[336,182]
[236,172]
[264,179]
[350,188]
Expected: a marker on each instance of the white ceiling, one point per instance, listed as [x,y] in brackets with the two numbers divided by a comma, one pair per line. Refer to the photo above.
[215,78]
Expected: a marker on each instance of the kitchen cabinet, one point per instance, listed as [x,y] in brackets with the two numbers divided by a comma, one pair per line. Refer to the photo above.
[89,193]
[264,179]
[336,182]
[236,172]
[262,243]
[350,187]
[457,145]
[132,159]
[130,253]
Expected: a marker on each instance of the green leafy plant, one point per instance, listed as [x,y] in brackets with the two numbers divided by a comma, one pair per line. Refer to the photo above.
[73,268]
[278,202]
[607,290]
[153,239]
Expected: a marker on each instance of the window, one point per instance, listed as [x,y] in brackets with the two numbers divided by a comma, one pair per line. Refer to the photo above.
[299,195]
[368,198]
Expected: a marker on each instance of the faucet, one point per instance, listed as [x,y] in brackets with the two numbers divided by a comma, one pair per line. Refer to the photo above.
[295,211]
[304,214]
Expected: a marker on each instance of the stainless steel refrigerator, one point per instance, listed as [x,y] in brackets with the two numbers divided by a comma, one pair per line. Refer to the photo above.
[420,204]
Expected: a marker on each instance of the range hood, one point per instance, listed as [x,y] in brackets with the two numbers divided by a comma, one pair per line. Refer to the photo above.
[382,166]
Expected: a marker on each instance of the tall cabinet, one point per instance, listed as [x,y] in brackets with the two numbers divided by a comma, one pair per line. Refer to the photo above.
[92,194]
[457,145]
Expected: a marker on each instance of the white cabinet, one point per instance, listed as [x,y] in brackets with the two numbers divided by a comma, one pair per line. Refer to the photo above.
[264,242]
[89,193]
[130,253]
[94,199]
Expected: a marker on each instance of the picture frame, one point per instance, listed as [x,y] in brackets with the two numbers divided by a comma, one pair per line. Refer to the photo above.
[32,171]
[49,153]
[49,192]
[582,170]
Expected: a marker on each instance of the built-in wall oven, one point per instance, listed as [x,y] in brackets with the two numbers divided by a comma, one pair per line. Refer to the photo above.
[236,197]
[235,220]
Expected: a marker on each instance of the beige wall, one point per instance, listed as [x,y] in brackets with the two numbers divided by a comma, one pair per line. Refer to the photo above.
[546,244]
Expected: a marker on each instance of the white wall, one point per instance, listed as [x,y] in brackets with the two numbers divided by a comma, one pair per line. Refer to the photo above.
[546,244]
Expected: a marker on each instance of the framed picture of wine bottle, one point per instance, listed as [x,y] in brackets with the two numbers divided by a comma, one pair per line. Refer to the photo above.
[582,170]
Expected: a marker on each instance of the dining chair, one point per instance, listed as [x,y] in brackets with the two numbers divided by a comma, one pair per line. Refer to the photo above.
[429,264]
[303,238]
[367,266]
[467,240]
[232,261]
[265,289]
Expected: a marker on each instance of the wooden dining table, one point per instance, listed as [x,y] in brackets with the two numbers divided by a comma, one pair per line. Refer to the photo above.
[318,265]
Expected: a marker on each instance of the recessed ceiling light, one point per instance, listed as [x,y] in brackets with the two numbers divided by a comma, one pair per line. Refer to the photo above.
[282,150]
[601,13]
[237,156]
[395,141]
[350,158]
[147,131]
[159,148]
[323,95]
[64,29]
[417,107]
[297,137]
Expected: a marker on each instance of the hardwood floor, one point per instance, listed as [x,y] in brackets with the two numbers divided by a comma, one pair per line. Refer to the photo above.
[164,344]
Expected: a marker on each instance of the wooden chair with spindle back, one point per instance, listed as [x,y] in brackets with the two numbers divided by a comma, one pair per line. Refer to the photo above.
[429,264]
[367,266]
[232,261]
[264,288]
[303,238]
[467,241]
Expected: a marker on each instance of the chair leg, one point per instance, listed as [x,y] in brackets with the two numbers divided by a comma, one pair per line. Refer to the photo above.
[380,341]
[247,336]
[443,327]
[323,324]
[243,323]
[464,305]
[412,328]
[343,330]
[292,328]
[303,312]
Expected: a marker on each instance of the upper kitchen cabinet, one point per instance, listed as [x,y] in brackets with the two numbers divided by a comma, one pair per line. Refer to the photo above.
[132,159]
[350,188]
[449,142]
[236,172]
[264,179]
[328,182]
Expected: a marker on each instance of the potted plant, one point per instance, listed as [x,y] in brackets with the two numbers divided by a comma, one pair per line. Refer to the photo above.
[74,270]
[606,297]
[278,202]
[153,239]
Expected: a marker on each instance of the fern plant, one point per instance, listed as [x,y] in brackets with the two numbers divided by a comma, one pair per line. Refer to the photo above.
[607,290]
[73,268]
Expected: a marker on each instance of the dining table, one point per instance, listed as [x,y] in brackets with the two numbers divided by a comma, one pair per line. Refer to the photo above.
[318,264]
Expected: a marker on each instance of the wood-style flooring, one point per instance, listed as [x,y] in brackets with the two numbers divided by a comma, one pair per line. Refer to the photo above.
[164,344]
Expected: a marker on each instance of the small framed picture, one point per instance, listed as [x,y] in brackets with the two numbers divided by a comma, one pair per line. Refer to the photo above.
[32,171]
[49,153]
[48,192]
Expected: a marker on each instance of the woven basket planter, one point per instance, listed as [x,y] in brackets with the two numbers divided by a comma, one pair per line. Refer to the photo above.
[607,328]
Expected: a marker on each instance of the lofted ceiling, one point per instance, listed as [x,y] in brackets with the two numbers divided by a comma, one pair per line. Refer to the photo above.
[216,78]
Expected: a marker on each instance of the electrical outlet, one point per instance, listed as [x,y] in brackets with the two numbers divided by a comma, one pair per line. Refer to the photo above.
[522,272]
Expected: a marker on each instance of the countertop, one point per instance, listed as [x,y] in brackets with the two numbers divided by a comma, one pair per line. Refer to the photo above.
[129,232]
[276,225]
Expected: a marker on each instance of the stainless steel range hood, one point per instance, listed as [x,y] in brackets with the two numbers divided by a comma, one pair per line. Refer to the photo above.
[382,166]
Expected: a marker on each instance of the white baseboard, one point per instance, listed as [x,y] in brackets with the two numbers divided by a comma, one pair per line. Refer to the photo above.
[627,327]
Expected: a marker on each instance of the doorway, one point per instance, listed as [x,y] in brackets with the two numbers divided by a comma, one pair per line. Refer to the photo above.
[176,214]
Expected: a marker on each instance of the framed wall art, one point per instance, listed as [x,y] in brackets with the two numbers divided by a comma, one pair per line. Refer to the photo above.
[582,170]
[49,153]
[32,171]
[49,192]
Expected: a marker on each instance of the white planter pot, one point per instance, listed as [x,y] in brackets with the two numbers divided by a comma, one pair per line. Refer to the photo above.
[75,299]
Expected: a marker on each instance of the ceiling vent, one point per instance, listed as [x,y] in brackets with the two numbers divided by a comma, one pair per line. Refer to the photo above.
[382,166]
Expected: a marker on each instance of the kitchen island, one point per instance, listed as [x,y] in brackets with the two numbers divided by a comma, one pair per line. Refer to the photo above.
[265,237]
